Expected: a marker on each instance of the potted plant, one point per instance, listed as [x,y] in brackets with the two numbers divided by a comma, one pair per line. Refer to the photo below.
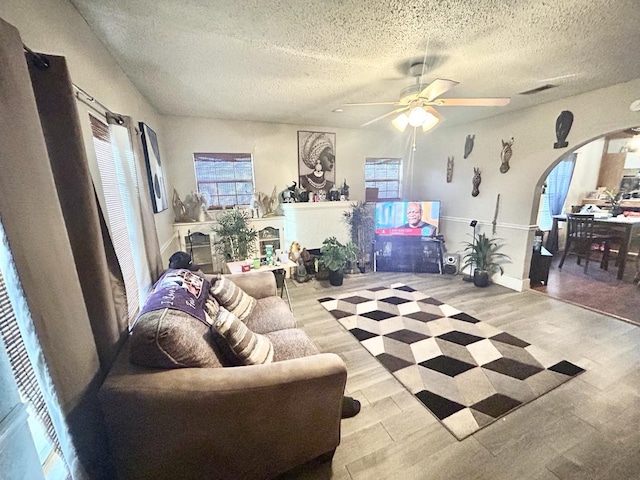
[237,239]
[613,198]
[483,254]
[334,257]
[360,221]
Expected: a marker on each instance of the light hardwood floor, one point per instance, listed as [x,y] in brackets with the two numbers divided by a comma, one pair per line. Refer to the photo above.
[588,428]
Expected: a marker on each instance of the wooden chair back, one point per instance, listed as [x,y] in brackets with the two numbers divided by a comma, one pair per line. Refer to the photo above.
[580,227]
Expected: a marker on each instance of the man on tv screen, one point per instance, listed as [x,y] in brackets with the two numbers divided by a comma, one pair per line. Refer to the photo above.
[414,220]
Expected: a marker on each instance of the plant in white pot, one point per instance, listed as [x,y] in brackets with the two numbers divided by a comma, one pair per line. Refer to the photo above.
[334,257]
[483,257]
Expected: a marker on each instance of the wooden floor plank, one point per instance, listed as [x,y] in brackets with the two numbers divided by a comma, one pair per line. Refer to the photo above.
[553,437]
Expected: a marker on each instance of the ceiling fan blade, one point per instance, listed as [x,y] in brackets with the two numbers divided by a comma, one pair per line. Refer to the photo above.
[437,88]
[369,103]
[472,102]
[397,110]
[434,112]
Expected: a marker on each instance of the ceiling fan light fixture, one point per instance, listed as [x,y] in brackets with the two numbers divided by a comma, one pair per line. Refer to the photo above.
[430,122]
[417,116]
[400,122]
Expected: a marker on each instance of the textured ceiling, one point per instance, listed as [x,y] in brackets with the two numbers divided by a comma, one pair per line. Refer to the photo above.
[290,61]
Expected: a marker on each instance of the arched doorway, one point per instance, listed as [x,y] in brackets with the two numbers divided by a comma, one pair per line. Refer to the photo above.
[609,163]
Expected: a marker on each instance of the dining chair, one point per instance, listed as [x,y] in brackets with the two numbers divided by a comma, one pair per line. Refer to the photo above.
[581,237]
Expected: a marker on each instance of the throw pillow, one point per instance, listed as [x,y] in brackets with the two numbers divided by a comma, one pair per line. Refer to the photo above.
[232,297]
[250,348]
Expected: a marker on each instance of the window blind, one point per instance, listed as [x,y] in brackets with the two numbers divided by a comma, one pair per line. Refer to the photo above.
[114,186]
[41,425]
[225,179]
[384,174]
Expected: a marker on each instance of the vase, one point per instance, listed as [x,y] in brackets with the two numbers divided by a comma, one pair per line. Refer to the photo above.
[480,278]
[336,277]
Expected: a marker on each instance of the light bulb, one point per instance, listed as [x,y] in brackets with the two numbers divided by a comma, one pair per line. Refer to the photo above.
[429,122]
[417,116]
[400,122]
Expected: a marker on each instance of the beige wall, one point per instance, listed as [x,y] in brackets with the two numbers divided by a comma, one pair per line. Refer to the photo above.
[595,113]
[585,175]
[274,147]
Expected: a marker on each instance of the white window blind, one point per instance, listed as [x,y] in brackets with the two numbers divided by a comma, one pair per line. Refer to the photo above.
[225,179]
[116,194]
[385,175]
[42,430]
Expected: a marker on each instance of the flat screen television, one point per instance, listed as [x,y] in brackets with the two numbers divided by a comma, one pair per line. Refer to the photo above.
[406,218]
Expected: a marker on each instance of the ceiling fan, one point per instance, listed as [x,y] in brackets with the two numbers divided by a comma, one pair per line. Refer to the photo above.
[417,102]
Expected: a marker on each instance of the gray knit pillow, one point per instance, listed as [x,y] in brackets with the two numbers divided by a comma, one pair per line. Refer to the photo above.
[250,348]
[232,297]
[173,339]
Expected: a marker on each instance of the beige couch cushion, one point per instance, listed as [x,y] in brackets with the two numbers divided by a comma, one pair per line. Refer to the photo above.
[269,315]
[250,348]
[232,297]
[291,343]
[173,339]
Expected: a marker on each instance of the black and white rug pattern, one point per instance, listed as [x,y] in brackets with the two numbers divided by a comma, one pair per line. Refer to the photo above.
[468,373]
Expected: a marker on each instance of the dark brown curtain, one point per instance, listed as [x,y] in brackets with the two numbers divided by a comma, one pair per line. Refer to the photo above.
[60,244]
[37,236]
[95,260]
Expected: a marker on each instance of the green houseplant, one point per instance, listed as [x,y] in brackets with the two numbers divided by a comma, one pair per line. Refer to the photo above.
[483,254]
[360,222]
[237,239]
[334,257]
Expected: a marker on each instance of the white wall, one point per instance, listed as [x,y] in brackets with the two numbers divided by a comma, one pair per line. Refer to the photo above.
[274,147]
[585,175]
[595,113]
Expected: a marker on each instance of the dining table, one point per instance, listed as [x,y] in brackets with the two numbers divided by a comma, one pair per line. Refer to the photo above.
[628,227]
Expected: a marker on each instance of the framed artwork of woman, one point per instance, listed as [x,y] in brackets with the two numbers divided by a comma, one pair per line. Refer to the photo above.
[316,161]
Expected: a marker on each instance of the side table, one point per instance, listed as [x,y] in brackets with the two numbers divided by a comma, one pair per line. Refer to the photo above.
[281,271]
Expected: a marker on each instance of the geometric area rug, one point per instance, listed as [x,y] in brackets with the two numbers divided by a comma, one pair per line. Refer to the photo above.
[467,373]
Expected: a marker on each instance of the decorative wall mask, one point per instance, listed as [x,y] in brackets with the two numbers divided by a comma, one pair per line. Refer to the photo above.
[563,126]
[449,169]
[476,181]
[505,155]
[468,145]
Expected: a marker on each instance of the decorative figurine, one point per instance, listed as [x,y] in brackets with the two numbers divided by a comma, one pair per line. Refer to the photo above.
[505,155]
[449,169]
[468,145]
[345,190]
[303,195]
[476,181]
[289,195]
[563,126]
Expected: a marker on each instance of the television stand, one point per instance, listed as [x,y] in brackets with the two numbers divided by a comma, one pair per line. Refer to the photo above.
[408,254]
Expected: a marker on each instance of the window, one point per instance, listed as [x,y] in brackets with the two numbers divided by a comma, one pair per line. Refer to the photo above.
[384,174]
[225,179]
[119,186]
[557,187]
[21,351]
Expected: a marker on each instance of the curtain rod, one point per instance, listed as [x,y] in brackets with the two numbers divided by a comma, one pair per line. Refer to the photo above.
[42,62]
